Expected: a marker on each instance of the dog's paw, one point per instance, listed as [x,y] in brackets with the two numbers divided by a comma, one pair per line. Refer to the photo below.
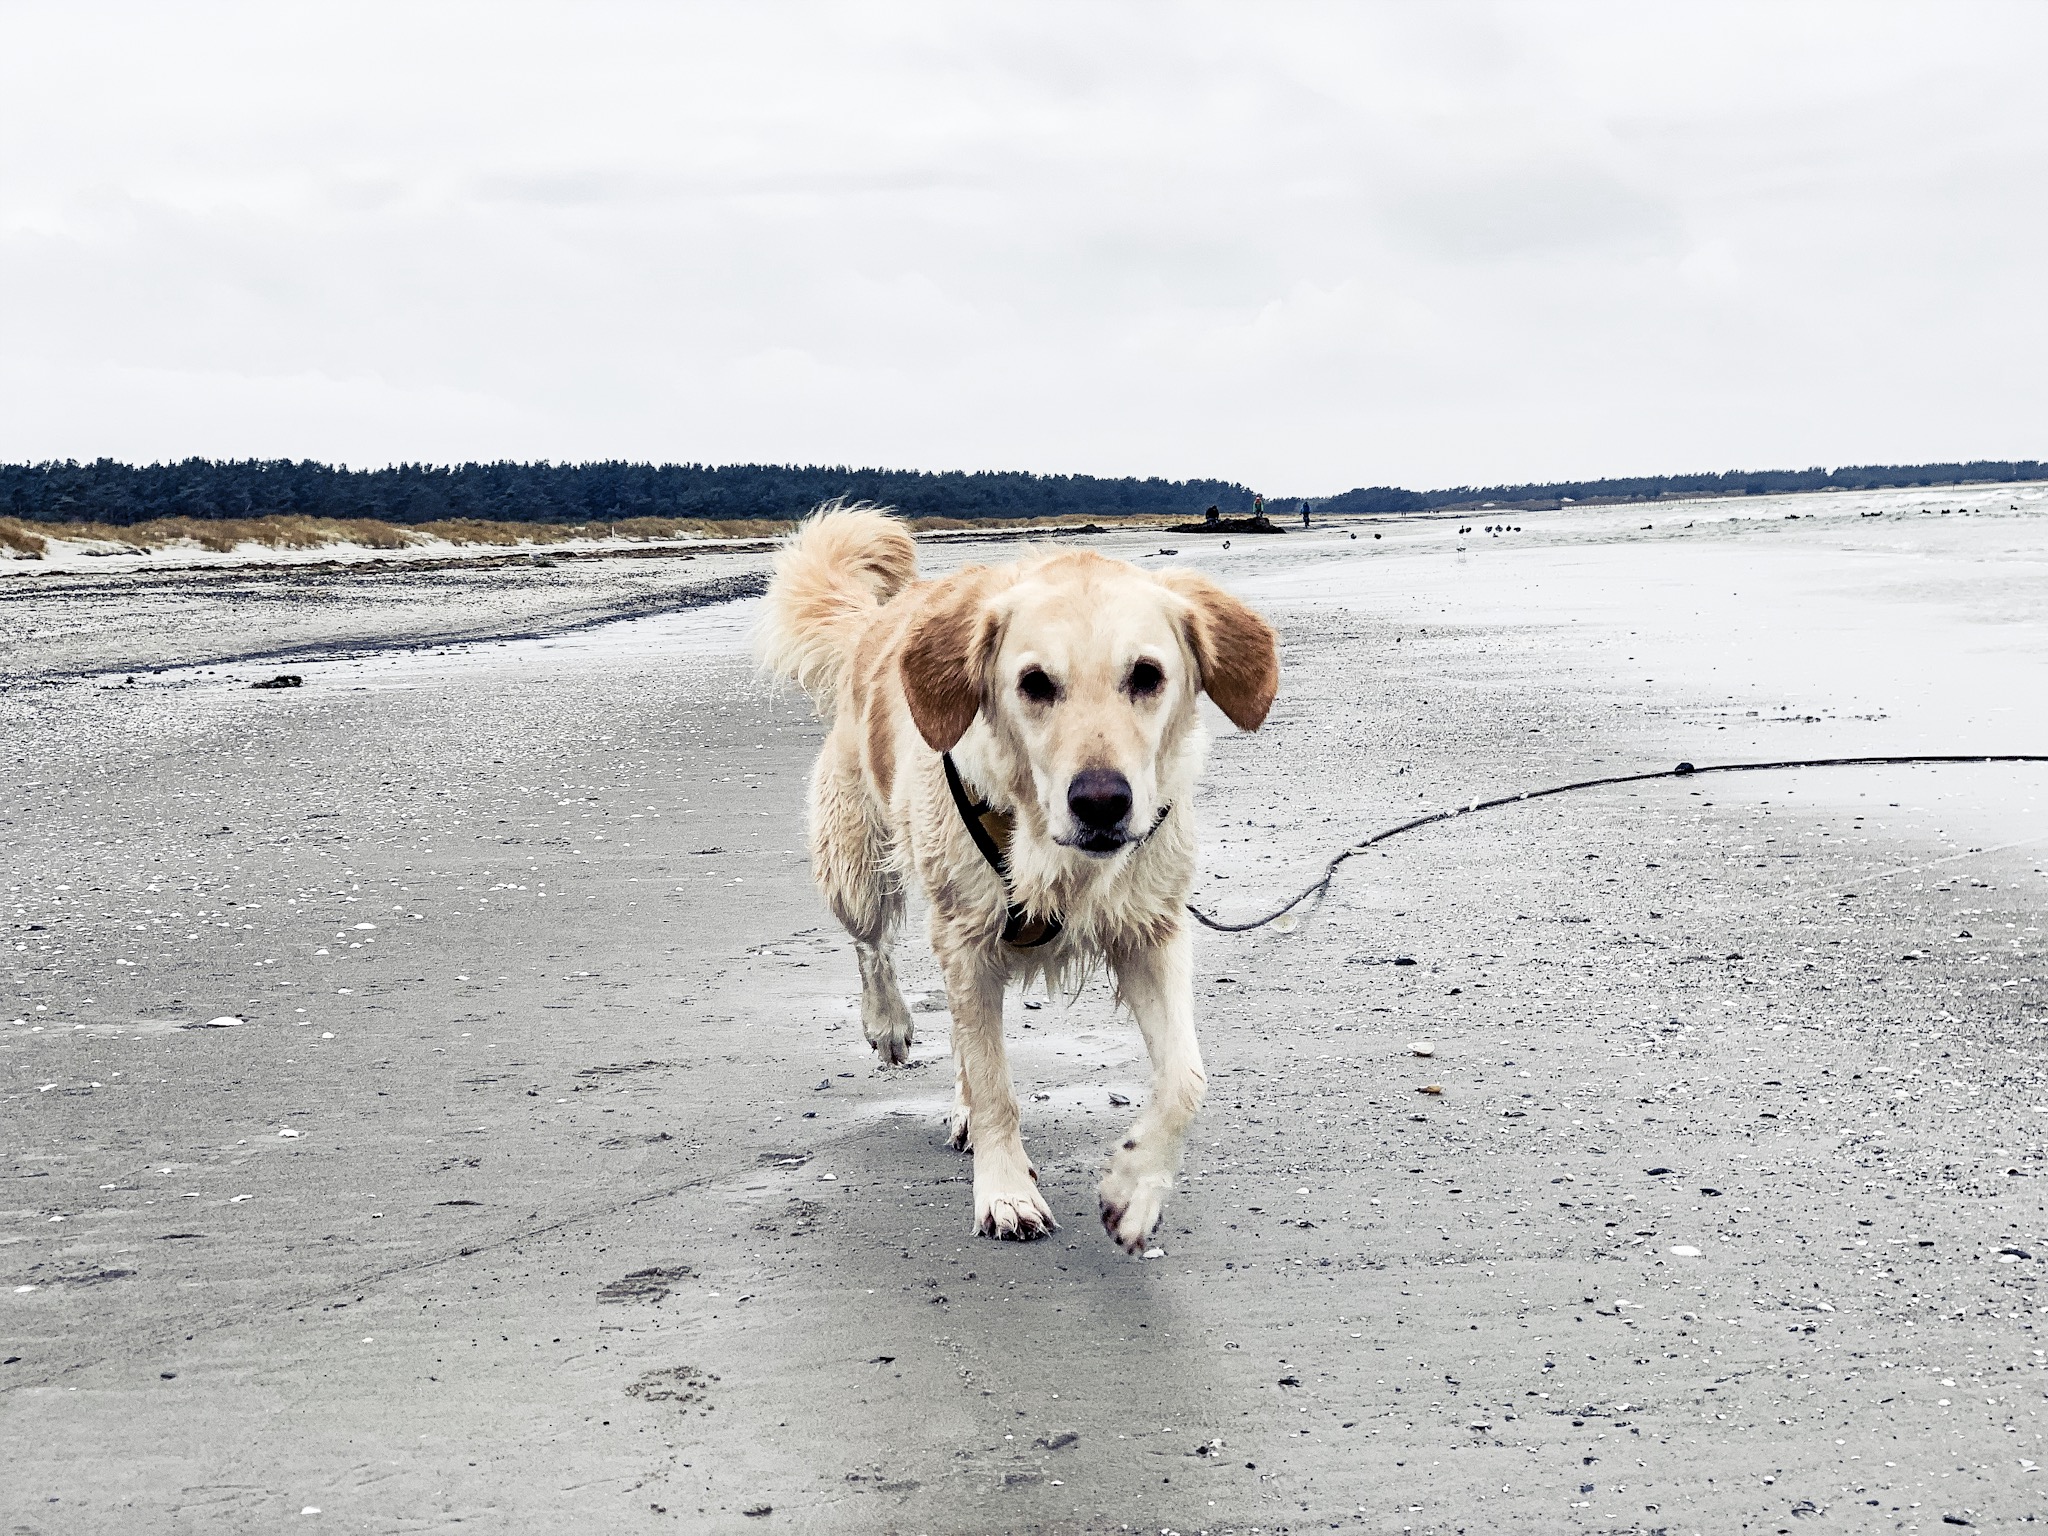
[959,1129]
[1011,1209]
[886,1022]
[1131,1203]
[892,1049]
[1014,1218]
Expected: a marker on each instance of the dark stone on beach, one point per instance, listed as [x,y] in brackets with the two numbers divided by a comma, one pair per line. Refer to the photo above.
[1230,525]
[282,680]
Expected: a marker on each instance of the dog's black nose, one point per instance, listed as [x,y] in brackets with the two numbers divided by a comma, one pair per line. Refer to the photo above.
[1100,799]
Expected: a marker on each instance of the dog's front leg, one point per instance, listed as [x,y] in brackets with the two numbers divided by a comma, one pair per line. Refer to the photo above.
[1006,1198]
[1157,983]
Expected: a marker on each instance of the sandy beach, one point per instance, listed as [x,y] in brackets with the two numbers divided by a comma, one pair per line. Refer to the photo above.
[434,1095]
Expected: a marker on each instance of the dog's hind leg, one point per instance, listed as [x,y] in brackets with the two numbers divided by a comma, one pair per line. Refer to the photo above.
[851,860]
[884,1017]
[1157,983]
[1006,1198]
[960,1127]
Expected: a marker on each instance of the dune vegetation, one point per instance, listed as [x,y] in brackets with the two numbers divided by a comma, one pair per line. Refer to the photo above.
[32,540]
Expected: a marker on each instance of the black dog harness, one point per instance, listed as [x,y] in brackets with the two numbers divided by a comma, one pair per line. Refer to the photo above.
[992,830]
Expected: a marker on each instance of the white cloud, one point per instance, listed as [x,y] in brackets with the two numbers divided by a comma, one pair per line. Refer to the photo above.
[1305,246]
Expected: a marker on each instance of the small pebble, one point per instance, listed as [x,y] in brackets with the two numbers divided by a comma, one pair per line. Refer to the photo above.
[1422,1048]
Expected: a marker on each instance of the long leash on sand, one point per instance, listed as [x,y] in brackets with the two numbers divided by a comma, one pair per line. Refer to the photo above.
[1321,887]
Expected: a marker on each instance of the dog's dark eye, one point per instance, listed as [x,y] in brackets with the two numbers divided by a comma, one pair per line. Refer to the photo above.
[1146,679]
[1037,687]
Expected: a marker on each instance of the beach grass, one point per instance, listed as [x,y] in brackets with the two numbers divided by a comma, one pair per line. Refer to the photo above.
[17,538]
[292,531]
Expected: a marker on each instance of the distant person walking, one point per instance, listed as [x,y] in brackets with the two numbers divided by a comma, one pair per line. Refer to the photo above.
[1258,505]
[1304,514]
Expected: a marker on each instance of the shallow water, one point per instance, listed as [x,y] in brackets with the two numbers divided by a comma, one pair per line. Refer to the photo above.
[1849,635]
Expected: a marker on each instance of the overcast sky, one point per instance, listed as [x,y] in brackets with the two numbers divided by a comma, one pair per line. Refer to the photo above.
[1307,247]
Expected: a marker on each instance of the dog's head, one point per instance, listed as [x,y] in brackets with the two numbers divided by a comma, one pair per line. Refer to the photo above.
[1085,671]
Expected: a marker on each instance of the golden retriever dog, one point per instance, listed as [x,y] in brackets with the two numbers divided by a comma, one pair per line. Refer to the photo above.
[1024,739]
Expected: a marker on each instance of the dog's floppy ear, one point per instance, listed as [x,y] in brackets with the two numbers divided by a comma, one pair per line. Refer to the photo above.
[945,657]
[1237,651]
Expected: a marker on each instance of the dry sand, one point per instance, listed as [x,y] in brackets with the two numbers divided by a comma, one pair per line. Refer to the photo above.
[543,1182]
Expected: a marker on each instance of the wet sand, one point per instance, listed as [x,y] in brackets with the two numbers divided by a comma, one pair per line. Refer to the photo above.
[544,1183]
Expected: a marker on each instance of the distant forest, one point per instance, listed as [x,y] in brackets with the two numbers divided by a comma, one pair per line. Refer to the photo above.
[122,494]
[1763,482]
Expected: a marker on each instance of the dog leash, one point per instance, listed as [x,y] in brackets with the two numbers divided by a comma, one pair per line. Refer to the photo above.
[992,830]
[1683,771]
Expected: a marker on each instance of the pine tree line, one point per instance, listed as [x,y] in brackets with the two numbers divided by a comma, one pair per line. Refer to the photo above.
[122,494]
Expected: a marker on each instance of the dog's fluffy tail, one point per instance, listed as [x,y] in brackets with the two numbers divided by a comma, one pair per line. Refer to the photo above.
[840,566]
